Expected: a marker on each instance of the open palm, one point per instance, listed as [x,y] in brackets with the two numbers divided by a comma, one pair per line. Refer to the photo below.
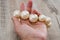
[27,30]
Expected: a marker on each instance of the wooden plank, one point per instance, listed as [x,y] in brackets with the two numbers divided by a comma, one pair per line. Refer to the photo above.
[58,17]
[54,32]
[6,30]
[53,5]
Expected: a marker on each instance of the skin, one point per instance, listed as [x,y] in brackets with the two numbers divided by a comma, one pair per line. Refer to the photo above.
[27,30]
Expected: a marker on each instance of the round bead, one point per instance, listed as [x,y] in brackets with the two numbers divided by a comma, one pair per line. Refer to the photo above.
[33,17]
[49,24]
[48,20]
[25,14]
[42,17]
[16,13]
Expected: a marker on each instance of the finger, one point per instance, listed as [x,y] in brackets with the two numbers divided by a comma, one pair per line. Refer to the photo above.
[35,12]
[29,6]
[16,22]
[22,6]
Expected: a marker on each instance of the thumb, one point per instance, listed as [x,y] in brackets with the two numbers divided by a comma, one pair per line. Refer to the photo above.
[16,22]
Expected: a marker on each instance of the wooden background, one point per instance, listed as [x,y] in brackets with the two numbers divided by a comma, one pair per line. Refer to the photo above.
[50,8]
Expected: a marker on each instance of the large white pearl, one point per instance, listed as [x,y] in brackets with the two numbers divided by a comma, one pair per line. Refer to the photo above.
[16,13]
[42,17]
[33,17]
[25,14]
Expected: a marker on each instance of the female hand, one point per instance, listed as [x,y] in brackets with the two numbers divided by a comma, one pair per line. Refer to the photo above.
[27,30]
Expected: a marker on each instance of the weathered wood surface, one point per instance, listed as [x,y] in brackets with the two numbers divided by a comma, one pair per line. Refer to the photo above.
[50,8]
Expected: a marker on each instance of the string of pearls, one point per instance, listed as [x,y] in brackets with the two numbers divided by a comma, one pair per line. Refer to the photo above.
[32,17]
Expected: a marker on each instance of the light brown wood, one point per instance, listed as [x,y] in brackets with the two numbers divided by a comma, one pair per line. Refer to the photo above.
[46,7]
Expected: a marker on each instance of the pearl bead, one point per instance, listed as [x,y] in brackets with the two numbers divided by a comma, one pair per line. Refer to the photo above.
[49,24]
[25,14]
[33,17]
[42,17]
[16,13]
[48,20]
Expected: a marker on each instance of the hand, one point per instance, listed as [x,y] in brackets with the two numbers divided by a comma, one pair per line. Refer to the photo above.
[27,30]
